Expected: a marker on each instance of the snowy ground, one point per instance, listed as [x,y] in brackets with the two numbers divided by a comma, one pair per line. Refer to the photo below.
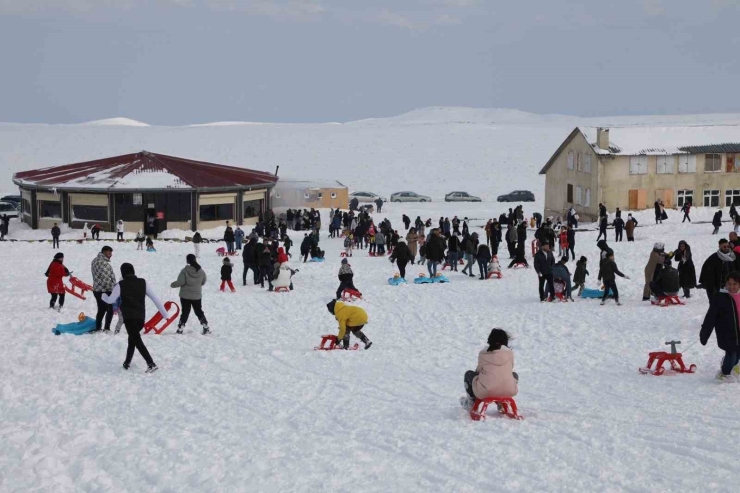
[254,408]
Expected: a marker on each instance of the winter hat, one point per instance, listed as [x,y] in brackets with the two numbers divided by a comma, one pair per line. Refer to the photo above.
[344,261]
[330,306]
[58,256]
[584,259]
[127,270]
[227,261]
[659,246]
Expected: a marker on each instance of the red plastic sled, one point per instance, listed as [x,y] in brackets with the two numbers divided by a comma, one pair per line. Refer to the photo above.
[329,343]
[350,294]
[508,407]
[343,254]
[282,289]
[520,265]
[494,274]
[151,325]
[661,357]
[77,283]
[667,301]
[221,252]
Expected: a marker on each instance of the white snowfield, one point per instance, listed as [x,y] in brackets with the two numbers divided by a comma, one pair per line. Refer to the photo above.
[432,151]
[254,408]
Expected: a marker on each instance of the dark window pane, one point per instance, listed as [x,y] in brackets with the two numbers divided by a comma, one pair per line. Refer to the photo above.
[26,206]
[89,213]
[252,208]
[50,209]
[219,212]
[207,212]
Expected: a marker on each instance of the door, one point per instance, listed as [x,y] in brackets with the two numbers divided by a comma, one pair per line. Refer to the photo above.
[666,195]
[638,199]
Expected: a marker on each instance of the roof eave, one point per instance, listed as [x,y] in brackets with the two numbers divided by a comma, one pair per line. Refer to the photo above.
[560,149]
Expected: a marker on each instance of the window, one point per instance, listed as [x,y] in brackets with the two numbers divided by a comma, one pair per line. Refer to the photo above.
[26,206]
[306,195]
[333,195]
[665,165]
[732,197]
[687,163]
[579,161]
[579,192]
[685,196]
[179,207]
[570,160]
[50,209]
[137,199]
[570,194]
[711,198]
[712,164]
[217,212]
[277,195]
[638,165]
[733,163]
[252,208]
[587,163]
[321,195]
[588,198]
[97,213]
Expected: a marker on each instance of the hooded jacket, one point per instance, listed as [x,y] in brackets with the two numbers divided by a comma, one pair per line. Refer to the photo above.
[495,378]
[715,270]
[348,316]
[55,274]
[190,282]
[722,318]
[402,252]
[102,273]
[579,276]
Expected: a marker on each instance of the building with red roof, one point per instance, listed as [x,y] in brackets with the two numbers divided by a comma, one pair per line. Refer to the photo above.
[146,191]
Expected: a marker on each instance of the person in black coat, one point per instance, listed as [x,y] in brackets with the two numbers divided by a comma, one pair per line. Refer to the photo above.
[402,256]
[666,282]
[717,268]
[607,273]
[722,318]
[571,241]
[603,222]
[495,237]
[265,263]
[543,262]
[306,245]
[686,269]
[434,252]
[484,258]
[453,247]
[717,221]
[55,233]
[248,256]
[618,224]
[353,204]
[407,221]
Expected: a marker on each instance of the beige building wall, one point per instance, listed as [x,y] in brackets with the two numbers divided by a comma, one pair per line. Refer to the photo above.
[618,182]
[558,177]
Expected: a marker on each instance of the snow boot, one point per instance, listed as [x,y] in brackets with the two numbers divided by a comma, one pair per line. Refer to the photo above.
[180,327]
[151,368]
[467,402]
[603,302]
[206,330]
[725,378]
[126,366]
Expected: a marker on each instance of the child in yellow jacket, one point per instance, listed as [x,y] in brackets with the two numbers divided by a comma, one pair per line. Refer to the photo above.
[351,320]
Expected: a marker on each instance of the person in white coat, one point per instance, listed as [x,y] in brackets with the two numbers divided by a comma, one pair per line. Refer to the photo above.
[119,230]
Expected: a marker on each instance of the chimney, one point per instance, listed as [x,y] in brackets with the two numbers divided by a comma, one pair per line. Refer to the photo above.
[602,138]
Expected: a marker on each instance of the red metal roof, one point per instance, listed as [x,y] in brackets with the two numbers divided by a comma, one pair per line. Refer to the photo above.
[108,172]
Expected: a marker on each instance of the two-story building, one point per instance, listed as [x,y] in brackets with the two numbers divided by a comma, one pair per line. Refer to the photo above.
[631,167]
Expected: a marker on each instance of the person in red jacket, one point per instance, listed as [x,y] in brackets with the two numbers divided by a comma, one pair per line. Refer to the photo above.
[55,275]
[282,257]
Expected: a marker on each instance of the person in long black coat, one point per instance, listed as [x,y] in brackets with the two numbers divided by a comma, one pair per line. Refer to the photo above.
[717,268]
[686,269]
[723,319]
[717,221]
[402,256]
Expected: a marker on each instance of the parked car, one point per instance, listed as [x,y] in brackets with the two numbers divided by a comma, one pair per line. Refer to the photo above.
[517,196]
[409,197]
[461,197]
[9,209]
[15,199]
[369,197]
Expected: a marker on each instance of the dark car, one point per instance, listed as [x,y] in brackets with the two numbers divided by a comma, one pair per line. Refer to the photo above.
[517,196]
[15,199]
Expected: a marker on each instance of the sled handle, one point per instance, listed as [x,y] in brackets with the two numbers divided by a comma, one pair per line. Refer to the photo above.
[673,345]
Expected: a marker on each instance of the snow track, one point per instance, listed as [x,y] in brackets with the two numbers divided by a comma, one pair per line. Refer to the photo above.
[253,408]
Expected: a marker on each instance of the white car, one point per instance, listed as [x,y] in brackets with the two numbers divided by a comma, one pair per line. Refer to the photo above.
[8,208]
[409,197]
[368,197]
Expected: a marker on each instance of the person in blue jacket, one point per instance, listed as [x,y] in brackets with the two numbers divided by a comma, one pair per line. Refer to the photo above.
[239,237]
[560,271]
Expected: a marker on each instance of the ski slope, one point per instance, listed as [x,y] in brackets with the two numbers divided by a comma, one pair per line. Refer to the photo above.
[253,407]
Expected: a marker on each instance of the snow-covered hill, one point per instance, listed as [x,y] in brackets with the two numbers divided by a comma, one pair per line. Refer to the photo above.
[432,151]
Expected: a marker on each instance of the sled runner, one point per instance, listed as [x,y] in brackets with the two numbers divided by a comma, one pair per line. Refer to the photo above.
[316,259]
[520,265]
[151,325]
[329,343]
[77,283]
[281,289]
[666,301]
[660,357]
[507,407]
[350,295]
[491,274]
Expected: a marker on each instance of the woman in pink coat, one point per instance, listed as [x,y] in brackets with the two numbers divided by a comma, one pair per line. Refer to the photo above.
[495,375]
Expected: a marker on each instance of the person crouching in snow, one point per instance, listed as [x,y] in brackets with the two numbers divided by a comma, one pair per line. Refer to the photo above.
[494,376]
[133,292]
[345,278]
[55,280]
[579,276]
[351,320]
[607,273]
[723,320]
[560,271]
[226,269]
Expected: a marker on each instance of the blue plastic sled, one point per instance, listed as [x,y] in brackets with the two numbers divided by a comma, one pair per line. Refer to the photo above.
[150,249]
[594,293]
[423,280]
[395,281]
[317,259]
[76,328]
[440,279]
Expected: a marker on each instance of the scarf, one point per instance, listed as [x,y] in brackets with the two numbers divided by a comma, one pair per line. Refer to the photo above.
[726,257]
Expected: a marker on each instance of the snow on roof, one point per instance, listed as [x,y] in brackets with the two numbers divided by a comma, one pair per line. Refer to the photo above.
[633,140]
[292,183]
[144,170]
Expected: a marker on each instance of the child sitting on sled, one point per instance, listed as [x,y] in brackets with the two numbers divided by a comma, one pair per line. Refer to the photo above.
[150,244]
[494,267]
[494,376]
[345,278]
[351,319]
